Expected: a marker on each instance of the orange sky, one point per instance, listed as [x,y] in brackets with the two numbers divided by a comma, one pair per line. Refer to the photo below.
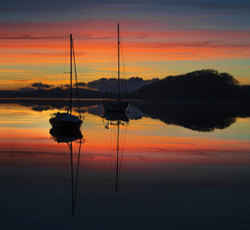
[39,51]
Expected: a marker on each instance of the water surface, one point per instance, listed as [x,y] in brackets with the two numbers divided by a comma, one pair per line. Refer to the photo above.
[190,173]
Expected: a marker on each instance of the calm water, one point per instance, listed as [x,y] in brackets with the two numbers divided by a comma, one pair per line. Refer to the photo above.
[174,169]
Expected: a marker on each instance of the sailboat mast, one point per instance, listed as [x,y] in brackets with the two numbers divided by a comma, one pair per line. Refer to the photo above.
[71,55]
[117,155]
[118,40]
[77,91]
[72,177]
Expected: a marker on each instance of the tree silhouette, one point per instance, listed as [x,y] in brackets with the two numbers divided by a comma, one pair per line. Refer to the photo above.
[200,85]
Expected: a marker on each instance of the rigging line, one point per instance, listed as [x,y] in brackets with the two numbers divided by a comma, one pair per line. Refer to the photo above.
[77,173]
[124,73]
[107,139]
[64,65]
[64,177]
[118,37]
[71,54]
[72,176]
[124,136]
[119,164]
[111,145]
[108,86]
[77,92]
[117,156]
[112,160]
[115,71]
[122,152]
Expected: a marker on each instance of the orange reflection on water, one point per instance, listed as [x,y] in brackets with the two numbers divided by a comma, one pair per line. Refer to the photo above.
[145,144]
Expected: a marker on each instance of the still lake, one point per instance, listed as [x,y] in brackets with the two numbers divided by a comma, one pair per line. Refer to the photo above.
[177,168]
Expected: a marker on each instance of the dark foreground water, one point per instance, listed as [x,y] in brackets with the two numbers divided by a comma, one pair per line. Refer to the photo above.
[169,173]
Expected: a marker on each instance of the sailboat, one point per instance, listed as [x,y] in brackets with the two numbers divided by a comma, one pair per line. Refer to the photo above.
[117,119]
[67,120]
[65,135]
[116,106]
[68,137]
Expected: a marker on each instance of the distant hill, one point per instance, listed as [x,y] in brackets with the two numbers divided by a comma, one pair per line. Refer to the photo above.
[200,85]
[127,85]
[92,89]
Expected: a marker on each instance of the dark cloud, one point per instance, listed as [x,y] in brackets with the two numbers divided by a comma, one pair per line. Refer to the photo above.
[40,85]
[36,86]
[40,108]
[30,37]
[81,84]
[127,85]
[66,86]
[28,88]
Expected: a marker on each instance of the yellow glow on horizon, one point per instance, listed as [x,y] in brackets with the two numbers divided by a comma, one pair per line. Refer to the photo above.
[43,55]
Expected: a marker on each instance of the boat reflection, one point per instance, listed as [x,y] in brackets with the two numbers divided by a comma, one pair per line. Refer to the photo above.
[65,135]
[196,116]
[114,121]
[69,136]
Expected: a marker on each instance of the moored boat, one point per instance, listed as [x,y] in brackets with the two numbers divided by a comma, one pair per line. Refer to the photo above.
[118,105]
[67,120]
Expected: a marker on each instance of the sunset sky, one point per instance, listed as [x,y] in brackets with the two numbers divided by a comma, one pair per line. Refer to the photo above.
[159,38]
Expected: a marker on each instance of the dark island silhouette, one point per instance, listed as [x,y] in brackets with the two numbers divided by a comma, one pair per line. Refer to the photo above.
[202,100]
[200,85]
[197,86]
[92,89]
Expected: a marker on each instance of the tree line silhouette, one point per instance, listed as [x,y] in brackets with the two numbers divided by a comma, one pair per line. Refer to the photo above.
[200,85]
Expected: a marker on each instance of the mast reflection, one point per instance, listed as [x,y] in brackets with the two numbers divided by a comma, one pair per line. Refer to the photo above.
[117,120]
[69,136]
